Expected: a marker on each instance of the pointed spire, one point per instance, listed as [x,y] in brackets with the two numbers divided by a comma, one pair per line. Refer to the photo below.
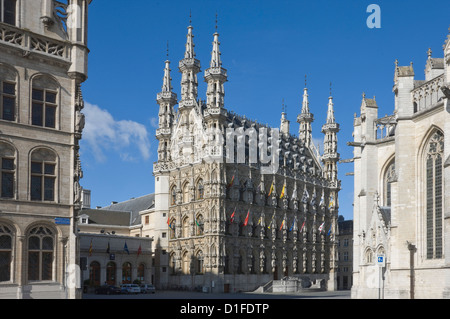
[190,53]
[305,118]
[167,81]
[305,104]
[189,67]
[215,76]
[216,62]
[330,113]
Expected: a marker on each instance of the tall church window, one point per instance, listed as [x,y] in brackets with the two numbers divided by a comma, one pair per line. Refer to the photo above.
[388,179]
[6,240]
[8,11]
[40,253]
[200,190]
[434,184]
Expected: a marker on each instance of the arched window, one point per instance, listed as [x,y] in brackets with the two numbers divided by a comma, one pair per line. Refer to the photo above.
[111,273]
[369,256]
[200,190]
[8,11]
[43,175]
[172,227]
[172,264]
[126,273]
[44,102]
[186,228]
[40,253]
[8,169]
[199,225]
[199,262]
[8,94]
[186,264]
[389,177]
[173,196]
[434,182]
[141,272]
[6,240]
[186,198]
[94,273]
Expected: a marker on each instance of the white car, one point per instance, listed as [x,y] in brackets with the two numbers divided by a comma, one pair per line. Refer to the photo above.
[130,289]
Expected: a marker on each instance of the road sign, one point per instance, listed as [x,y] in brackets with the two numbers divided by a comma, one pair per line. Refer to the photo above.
[381,260]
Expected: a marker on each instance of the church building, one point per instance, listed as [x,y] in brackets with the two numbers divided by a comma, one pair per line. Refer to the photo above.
[402,187]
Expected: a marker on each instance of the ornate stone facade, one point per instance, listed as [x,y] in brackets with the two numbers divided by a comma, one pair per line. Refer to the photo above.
[43,62]
[238,217]
[402,183]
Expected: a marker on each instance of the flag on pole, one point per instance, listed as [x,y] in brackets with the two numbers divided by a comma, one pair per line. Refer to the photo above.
[139,250]
[125,248]
[271,222]
[331,204]
[293,223]
[231,182]
[271,189]
[283,191]
[232,215]
[196,221]
[108,248]
[321,227]
[282,223]
[329,232]
[246,218]
[303,225]
[90,249]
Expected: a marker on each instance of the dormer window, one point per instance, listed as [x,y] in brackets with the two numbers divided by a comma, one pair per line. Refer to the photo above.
[8,11]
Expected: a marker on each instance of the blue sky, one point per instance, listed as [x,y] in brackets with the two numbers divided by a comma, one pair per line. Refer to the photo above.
[267,48]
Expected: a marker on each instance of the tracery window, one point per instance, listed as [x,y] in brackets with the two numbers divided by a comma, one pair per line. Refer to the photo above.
[199,261]
[6,240]
[40,253]
[173,194]
[199,225]
[388,179]
[434,185]
[200,190]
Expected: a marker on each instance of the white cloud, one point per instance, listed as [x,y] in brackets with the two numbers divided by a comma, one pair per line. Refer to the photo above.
[102,133]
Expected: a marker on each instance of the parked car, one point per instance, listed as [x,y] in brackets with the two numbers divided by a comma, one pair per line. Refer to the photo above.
[107,290]
[130,289]
[148,289]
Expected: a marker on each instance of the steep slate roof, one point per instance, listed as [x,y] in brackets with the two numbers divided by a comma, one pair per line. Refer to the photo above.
[133,206]
[104,217]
